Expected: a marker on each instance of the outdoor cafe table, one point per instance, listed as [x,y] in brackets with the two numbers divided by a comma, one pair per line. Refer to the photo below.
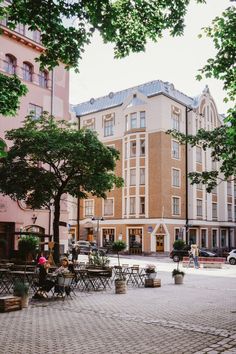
[92,279]
[5,281]
[134,275]
[22,276]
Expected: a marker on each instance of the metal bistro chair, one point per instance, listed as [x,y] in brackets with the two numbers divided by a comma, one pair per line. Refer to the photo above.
[133,275]
[64,285]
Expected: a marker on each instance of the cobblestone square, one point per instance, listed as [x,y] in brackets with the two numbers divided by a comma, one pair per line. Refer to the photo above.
[196,317]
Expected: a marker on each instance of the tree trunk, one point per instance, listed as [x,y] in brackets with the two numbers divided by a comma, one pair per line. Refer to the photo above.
[56,237]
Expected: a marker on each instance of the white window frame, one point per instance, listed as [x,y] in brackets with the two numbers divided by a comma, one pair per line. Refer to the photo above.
[142,116]
[142,147]
[133,120]
[206,234]
[132,179]
[133,147]
[217,238]
[37,110]
[111,207]
[198,154]
[108,127]
[214,208]
[174,153]
[178,180]
[142,176]
[175,212]
[88,207]
[199,206]
[175,121]
[133,205]
[229,188]
[140,213]
[229,212]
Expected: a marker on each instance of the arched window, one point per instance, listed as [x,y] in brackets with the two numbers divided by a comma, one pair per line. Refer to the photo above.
[43,79]
[27,71]
[10,64]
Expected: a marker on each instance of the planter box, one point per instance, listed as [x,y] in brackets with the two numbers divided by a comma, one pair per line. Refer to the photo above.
[152,283]
[10,303]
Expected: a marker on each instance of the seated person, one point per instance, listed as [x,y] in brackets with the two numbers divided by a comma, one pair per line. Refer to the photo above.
[63,269]
[45,285]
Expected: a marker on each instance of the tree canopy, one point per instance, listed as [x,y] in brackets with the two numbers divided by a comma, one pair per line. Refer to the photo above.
[11,91]
[49,158]
[222,140]
[67,26]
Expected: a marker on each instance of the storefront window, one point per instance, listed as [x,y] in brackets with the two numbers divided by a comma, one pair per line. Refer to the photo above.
[135,241]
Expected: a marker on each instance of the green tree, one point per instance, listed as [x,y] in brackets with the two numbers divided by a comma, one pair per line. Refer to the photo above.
[117,247]
[67,27]
[27,246]
[126,23]
[68,158]
[11,90]
[222,140]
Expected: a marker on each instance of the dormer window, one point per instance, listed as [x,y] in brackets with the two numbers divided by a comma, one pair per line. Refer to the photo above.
[89,124]
[108,123]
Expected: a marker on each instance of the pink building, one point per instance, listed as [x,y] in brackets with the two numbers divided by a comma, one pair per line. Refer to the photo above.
[48,91]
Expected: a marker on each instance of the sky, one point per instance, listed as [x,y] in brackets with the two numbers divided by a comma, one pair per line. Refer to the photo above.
[175,60]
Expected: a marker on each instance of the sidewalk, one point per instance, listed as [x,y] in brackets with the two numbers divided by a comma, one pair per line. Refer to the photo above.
[196,317]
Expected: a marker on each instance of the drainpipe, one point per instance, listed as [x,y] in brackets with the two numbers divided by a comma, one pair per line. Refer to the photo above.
[78,200]
[187,110]
[51,113]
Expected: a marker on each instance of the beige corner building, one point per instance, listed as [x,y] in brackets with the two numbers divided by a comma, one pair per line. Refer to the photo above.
[157,204]
[48,91]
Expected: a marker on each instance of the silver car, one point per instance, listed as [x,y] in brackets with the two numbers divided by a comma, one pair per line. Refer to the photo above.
[232,257]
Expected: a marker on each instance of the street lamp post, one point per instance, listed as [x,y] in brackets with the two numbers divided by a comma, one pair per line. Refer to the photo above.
[98,219]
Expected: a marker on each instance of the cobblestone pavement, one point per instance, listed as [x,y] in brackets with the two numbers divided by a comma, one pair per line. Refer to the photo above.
[196,317]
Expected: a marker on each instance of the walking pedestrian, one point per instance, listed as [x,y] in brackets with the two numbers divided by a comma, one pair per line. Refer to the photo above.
[74,252]
[191,260]
[195,252]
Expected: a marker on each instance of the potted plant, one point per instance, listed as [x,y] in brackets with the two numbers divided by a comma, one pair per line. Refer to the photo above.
[178,275]
[27,246]
[21,289]
[151,272]
[97,260]
[120,281]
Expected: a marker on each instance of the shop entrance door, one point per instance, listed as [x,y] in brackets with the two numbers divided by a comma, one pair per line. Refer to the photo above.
[160,243]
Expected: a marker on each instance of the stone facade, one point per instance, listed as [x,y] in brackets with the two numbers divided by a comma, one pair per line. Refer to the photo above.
[150,211]
[48,91]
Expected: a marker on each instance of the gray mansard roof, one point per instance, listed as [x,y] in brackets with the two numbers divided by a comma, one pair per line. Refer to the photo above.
[149,89]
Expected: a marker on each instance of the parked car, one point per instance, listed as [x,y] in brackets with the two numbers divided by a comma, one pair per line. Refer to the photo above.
[232,257]
[84,247]
[206,253]
[177,255]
